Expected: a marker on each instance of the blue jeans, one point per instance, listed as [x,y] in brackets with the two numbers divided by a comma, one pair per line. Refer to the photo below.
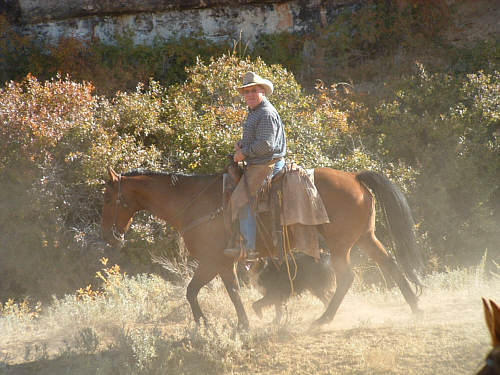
[248,223]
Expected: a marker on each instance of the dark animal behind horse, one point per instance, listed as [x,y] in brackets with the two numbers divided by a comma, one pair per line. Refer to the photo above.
[309,274]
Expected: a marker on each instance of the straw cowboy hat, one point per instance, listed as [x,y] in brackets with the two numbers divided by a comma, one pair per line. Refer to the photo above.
[252,79]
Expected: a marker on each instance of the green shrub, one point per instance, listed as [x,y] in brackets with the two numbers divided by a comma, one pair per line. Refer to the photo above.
[206,112]
[57,137]
[282,48]
[61,137]
[111,67]
[444,126]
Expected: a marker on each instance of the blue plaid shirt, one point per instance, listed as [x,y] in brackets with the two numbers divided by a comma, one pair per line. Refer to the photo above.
[263,134]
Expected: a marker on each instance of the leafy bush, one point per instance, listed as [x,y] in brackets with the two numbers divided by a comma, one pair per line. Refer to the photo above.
[206,112]
[445,127]
[112,67]
[37,203]
[61,136]
[57,137]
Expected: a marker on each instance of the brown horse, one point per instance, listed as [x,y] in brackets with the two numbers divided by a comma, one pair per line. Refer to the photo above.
[492,317]
[192,204]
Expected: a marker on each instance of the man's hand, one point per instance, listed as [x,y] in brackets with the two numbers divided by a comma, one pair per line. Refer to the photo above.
[238,156]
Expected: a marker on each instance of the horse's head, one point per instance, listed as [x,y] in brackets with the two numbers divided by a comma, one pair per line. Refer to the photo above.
[117,211]
[492,317]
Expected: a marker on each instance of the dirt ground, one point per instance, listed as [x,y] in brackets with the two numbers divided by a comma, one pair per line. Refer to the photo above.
[373,333]
[380,336]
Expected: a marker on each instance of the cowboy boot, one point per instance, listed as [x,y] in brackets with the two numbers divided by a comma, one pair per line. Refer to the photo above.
[233,248]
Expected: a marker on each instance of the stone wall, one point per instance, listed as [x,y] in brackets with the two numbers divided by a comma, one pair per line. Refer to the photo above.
[49,20]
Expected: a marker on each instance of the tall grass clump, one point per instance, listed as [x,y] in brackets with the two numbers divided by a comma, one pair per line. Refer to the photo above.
[134,324]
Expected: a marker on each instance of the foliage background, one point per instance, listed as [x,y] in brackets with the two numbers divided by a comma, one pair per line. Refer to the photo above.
[379,89]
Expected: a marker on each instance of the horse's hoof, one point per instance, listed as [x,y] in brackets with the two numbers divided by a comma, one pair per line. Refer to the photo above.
[243,327]
[321,321]
[417,312]
[317,323]
[257,310]
[315,327]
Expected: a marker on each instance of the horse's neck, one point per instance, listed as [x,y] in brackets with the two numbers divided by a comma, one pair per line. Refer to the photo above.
[176,199]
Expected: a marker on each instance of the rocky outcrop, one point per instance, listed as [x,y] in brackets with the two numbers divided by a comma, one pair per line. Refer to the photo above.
[36,11]
[145,20]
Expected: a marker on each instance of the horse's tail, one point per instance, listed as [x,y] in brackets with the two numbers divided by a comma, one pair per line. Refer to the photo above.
[399,222]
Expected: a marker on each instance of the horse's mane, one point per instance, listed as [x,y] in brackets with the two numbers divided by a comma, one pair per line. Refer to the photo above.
[145,172]
[175,177]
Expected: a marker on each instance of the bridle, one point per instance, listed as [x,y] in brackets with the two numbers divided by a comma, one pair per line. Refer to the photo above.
[120,237]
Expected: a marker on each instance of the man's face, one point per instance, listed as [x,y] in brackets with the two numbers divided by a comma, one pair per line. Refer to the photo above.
[253,95]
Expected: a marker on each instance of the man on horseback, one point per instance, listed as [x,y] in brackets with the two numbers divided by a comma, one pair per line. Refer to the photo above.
[262,147]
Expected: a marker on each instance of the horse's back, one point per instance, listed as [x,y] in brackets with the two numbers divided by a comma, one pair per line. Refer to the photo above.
[341,184]
[347,201]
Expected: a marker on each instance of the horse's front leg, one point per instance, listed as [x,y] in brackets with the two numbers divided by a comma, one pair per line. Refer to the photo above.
[202,276]
[230,281]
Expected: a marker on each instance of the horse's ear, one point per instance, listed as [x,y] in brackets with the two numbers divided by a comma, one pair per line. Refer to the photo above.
[492,317]
[496,324]
[112,174]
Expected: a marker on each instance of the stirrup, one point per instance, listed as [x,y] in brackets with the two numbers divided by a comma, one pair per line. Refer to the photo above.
[252,255]
[234,252]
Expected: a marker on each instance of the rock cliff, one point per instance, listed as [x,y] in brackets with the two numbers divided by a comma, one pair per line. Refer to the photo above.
[50,20]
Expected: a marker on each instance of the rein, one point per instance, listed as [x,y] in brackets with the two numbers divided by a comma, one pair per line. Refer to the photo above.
[208,217]
[193,201]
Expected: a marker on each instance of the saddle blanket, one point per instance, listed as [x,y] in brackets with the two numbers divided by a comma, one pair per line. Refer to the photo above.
[302,203]
[302,208]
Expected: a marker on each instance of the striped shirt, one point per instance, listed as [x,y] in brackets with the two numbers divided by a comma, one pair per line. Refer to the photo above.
[263,134]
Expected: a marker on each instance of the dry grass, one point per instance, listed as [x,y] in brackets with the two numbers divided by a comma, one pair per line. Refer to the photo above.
[144,325]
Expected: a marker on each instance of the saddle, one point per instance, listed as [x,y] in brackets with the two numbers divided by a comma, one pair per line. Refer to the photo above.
[289,210]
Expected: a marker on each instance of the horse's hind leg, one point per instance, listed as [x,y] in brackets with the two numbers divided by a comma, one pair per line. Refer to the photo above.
[230,281]
[202,276]
[345,276]
[374,248]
